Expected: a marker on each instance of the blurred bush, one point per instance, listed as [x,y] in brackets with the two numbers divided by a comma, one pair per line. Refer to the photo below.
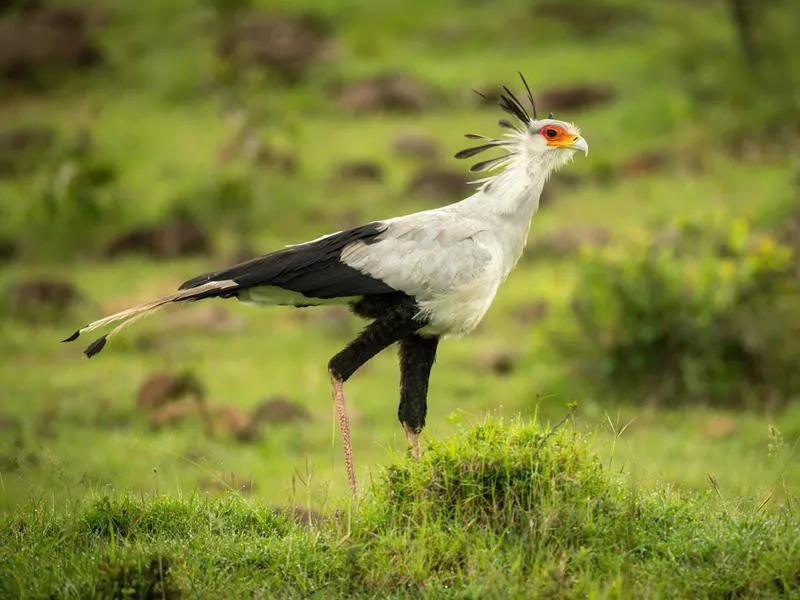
[226,202]
[704,312]
[744,80]
[595,20]
[74,201]
[41,43]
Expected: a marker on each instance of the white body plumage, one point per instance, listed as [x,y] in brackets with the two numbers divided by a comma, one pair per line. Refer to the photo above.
[417,278]
[450,260]
[453,259]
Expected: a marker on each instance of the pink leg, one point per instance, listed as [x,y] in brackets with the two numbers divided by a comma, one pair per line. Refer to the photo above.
[337,389]
[413,439]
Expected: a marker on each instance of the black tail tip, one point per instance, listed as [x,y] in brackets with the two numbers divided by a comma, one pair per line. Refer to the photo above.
[73,337]
[96,346]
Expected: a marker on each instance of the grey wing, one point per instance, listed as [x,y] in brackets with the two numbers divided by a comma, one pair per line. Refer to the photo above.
[426,255]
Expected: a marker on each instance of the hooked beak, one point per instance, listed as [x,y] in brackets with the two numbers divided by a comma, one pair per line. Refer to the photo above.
[574,143]
[580,144]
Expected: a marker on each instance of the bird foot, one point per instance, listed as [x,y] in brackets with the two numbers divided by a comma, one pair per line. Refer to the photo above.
[413,439]
[337,390]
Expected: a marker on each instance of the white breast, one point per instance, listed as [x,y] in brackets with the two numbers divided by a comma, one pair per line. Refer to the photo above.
[459,311]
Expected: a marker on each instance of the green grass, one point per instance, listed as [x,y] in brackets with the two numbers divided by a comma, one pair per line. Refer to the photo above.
[497,510]
[643,519]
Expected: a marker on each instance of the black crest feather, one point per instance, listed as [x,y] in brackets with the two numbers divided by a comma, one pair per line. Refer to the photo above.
[530,96]
[468,152]
[512,105]
[488,164]
[509,103]
[481,94]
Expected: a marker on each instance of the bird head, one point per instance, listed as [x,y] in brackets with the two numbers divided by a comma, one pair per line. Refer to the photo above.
[553,142]
[542,144]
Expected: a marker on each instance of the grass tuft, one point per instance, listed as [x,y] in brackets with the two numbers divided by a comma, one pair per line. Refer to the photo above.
[129,519]
[497,510]
[141,578]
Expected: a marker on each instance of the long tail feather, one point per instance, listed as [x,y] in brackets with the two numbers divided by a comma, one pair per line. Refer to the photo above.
[131,315]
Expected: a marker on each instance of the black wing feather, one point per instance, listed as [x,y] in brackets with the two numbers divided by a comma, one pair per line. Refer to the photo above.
[312,269]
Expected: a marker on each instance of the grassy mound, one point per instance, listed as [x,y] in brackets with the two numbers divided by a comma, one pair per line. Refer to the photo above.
[494,475]
[498,510]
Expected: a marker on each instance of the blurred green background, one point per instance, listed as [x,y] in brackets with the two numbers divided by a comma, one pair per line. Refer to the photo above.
[144,142]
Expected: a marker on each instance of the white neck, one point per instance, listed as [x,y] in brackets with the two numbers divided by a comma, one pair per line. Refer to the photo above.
[512,196]
[508,201]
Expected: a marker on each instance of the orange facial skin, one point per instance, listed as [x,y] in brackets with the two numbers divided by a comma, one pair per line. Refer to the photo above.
[558,137]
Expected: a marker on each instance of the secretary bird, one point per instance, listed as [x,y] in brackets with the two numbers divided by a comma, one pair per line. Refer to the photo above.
[416,278]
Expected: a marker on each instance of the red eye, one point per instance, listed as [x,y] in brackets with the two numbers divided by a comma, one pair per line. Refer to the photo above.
[550,132]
